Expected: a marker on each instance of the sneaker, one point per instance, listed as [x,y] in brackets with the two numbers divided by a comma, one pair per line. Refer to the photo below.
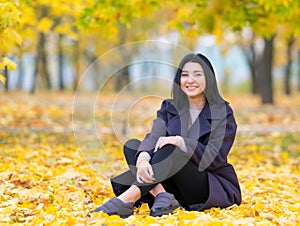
[115,206]
[164,203]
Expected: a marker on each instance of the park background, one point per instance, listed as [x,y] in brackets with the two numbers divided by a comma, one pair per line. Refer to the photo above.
[80,77]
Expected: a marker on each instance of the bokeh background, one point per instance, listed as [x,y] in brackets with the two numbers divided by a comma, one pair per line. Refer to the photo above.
[47,45]
[80,77]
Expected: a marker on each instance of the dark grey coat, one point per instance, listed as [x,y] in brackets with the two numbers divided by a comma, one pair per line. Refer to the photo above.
[208,143]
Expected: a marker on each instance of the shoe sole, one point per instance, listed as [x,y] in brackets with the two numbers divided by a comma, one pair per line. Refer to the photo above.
[110,214]
[124,216]
[166,212]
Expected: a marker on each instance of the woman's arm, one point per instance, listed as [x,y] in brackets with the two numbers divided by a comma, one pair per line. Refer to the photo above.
[174,140]
[158,129]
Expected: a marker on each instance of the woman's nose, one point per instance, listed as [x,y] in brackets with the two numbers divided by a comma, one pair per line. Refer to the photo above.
[190,79]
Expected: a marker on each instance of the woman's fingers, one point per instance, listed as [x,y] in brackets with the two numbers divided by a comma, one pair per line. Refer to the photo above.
[162,141]
[145,174]
[150,172]
[148,176]
[139,179]
[157,145]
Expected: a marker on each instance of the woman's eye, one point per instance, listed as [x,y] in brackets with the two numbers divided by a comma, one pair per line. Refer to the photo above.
[184,75]
[198,74]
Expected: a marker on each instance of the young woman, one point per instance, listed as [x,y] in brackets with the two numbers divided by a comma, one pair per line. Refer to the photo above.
[182,162]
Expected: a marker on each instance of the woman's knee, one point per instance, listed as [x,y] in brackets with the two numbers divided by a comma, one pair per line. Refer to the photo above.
[131,146]
[163,153]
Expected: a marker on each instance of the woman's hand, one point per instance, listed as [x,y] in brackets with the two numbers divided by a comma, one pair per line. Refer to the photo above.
[144,172]
[162,141]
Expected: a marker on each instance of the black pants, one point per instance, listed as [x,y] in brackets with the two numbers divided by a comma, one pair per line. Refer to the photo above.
[172,169]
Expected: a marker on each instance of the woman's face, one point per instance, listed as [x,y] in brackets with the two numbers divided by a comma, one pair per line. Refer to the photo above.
[192,80]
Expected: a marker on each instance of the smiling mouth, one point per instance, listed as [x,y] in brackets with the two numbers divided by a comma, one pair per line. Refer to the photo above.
[191,87]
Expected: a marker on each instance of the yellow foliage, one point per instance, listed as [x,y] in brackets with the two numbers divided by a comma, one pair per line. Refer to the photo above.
[6,62]
[184,11]
[50,209]
[66,30]
[45,25]
[45,180]
[2,78]
[192,33]
[10,17]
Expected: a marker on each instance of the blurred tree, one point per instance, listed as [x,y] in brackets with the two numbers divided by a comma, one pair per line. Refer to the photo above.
[263,17]
[10,40]
[290,32]
[287,77]
[96,26]
[34,29]
[66,15]
[119,22]
[298,67]
[44,20]
[250,52]
[41,60]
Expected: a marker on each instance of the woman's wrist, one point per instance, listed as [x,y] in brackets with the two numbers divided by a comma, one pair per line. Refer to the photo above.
[177,140]
[143,156]
[140,160]
[180,143]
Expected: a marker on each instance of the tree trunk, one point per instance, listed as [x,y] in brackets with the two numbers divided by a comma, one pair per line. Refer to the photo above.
[266,77]
[77,65]
[6,79]
[60,62]
[252,62]
[92,60]
[44,60]
[37,65]
[20,74]
[287,77]
[41,65]
[299,70]
[259,73]
[122,78]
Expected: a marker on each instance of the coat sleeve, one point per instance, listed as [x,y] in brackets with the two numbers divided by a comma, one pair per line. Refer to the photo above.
[158,129]
[213,155]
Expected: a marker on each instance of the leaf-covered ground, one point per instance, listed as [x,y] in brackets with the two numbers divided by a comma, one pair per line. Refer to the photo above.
[48,177]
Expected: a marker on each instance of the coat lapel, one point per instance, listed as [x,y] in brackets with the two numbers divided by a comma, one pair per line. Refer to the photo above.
[201,126]
[178,124]
[184,122]
[207,120]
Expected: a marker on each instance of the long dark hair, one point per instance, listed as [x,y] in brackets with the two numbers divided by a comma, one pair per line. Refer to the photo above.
[211,90]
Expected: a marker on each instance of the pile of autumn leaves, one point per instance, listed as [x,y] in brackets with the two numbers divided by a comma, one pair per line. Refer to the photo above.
[44,179]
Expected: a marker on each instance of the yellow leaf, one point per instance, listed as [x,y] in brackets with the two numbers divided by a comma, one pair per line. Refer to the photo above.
[45,25]
[184,11]
[192,33]
[114,217]
[294,209]
[14,36]
[144,209]
[2,79]
[6,211]
[59,199]
[284,155]
[5,62]
[27,204]
[50,209]
[71,220]
[37,221]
